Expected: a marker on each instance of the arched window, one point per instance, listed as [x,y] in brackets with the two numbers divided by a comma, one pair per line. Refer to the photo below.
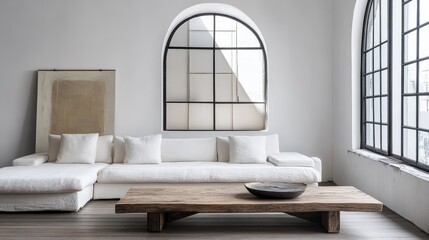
[215,75]
[395,80]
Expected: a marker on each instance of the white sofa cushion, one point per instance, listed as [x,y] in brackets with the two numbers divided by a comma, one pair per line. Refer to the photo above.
[78,148]
[196,172]
[189,150]
[104,148]
[31,160]
[54,147]
[291,159]
[119,149]
[143,150]
[48,178]
[272,147]
[247,149]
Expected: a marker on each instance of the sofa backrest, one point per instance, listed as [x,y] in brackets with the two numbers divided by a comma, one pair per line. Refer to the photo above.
[189,150]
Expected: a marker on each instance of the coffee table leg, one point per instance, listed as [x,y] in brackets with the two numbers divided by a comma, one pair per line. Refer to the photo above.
[155,222]
[331,221]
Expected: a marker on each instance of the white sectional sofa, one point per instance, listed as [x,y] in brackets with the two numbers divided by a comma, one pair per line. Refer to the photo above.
[35,184]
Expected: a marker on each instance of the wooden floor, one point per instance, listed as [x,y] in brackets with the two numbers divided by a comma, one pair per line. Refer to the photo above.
[97,220]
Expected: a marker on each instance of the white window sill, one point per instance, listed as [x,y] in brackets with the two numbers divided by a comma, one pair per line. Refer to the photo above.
[392,162]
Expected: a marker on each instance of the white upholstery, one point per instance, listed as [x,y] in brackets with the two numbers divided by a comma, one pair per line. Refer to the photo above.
[18,202]
[48,178]
[247,149]
[205,172]
[143,150]
[104,149]
[291,159]
[189,150]
[271,147]
[318,166]
[78,148]
[31,160]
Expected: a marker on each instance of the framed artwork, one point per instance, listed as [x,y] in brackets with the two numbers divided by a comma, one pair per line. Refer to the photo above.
[74,101]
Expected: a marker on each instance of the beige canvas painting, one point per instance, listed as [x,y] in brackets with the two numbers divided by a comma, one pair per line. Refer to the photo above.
[74,102]
[77,107]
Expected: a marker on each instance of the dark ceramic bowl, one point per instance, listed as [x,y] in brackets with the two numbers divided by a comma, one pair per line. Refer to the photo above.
[276,190]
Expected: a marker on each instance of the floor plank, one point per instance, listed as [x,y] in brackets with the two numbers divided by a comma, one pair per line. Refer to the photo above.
[97,220]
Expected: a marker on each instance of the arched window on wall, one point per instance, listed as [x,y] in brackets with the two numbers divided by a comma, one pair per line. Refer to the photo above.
[395,80]
[215,76]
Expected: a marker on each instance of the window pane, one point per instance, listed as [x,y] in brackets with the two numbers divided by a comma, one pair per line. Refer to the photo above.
[177,75]
[369,62]
[376,22]
[201,87]
[225,88]
[202,23]
[226,61]
[226,32]
[377,83]
[424,112]
[377,136]
[200,38]
[424,76]
[369,110]
[245,37]
[250,76]
[424,147]
[377,112]
[384,17]
[368,85]
[424,41]
[369,134]
[384,82]
[410,15]
[200,116]
[424,11]
[385,138]
[410,46]
[224,116]
[177,116]
[384,56]
[410,78]
[410,144]
[369,29]
[377,59]
[410,111]
[180,37]
[201,61]
[384,109]
[249,116]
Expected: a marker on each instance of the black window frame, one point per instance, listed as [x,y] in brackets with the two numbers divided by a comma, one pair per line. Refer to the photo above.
[214,48]
[403,64]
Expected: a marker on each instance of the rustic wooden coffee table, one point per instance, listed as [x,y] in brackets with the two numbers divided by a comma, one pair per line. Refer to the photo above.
[318,204]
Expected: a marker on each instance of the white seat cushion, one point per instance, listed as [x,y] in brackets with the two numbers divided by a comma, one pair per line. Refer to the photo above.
[291,159]
[195,172]
[48,178]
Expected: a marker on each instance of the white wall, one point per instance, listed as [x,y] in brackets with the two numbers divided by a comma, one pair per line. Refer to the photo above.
[128,36]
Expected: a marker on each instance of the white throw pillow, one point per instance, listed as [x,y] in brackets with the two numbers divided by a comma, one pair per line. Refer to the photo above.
[119,150]
[78,148]
[247,149]
[271,147]
[104,149]
[143,150]
[222,144]
[54,147]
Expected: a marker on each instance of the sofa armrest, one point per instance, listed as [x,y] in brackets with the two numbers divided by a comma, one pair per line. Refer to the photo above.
[291,159]
[31,160]
[318,166]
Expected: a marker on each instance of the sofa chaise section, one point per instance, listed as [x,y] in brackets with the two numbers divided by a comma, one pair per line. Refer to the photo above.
[48,186]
